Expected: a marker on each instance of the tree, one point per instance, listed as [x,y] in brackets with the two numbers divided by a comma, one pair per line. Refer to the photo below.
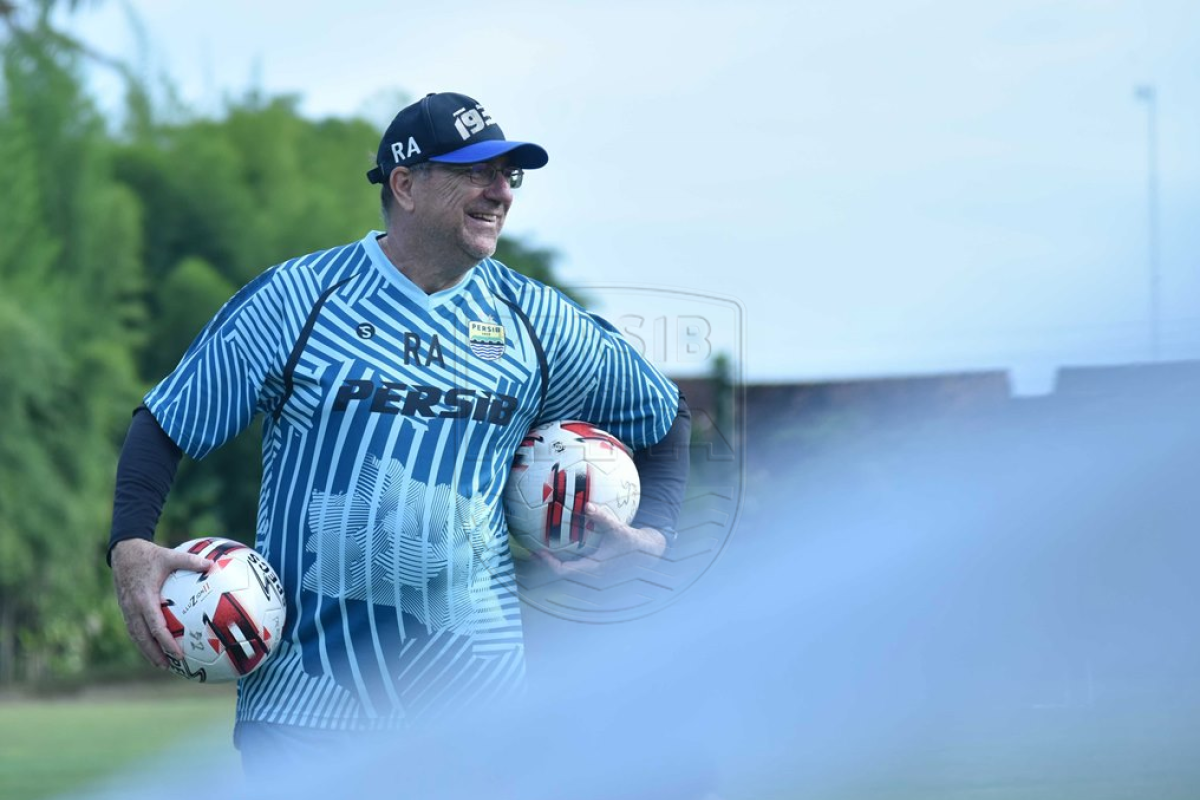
[70,272]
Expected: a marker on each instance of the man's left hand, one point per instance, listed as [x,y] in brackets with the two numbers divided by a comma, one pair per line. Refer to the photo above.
[616,540]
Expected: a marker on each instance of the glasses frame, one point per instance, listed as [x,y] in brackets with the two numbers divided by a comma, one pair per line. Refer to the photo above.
[484,174]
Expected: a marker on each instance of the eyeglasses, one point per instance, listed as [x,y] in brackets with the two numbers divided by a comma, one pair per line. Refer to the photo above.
[485,174]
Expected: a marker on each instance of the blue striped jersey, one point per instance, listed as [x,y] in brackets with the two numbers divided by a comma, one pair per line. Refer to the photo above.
[390,419]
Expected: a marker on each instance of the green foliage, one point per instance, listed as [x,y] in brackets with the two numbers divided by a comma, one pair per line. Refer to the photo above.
[261,185]
[70,271]
[187,297]
[536,262]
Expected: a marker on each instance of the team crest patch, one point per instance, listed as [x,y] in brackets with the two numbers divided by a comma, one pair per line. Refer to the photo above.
[486,340]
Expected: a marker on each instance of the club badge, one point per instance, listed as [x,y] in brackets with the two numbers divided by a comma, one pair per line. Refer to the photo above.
[486,340]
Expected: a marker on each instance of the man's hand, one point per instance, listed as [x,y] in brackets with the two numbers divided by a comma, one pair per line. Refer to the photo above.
[616,539]
[140,568]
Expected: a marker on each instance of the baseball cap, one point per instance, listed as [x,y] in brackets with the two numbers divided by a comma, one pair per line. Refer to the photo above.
[448,128]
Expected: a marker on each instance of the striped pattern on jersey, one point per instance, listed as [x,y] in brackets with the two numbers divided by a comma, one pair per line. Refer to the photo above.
[387,439]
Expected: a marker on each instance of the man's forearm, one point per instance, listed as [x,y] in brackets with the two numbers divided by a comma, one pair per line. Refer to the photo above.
[145,473]
[664,468]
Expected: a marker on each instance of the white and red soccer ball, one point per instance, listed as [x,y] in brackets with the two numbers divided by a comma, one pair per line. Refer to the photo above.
[559,468]
[227,621]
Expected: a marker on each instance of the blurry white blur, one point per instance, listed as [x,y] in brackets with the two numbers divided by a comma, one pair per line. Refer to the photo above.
[951,593]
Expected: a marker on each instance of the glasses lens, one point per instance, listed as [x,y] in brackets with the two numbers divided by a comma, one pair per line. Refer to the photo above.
[481,174]
[485,174]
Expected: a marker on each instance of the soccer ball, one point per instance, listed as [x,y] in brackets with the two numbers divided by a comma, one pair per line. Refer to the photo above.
[227,622]
[557,470]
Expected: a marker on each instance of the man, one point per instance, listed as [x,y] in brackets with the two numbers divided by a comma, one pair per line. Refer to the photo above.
[395,377]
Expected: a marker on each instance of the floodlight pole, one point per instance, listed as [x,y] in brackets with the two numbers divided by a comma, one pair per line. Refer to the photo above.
[1147,94]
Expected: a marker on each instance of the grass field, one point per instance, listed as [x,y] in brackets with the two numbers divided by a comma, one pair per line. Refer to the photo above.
[52,746]
[1130,751]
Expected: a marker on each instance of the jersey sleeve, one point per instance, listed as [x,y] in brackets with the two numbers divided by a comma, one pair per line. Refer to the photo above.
[225,377]
[596,375]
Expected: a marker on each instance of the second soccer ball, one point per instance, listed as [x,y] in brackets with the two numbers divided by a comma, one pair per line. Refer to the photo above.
[559,468]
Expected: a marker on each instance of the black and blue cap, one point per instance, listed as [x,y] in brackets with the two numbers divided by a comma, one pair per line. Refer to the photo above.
[448,128]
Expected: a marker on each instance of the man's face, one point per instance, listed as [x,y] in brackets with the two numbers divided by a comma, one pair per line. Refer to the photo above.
[453,212]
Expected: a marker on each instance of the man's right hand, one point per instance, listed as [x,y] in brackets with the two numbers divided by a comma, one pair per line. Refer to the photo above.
[140,567]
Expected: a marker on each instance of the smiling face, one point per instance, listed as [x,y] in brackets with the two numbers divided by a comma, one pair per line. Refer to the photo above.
[456,217]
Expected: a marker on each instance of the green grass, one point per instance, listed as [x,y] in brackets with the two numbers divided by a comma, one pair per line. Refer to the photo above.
[51,746]
[1130,751]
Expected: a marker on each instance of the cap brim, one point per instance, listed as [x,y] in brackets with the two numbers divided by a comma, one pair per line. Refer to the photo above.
[523,155]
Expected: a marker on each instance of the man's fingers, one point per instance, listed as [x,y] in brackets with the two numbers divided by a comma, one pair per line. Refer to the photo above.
[155,639]
[165,641]
[602,517]
[174,560]
[142,637]
[139,570]
[546,559]
[550,562]
[188,561]
[583,568]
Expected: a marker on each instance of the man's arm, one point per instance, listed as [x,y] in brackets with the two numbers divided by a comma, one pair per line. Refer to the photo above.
[145,472]
[663,469]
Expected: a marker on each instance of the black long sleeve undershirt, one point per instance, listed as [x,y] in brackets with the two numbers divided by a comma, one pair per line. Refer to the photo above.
[145,473]
[663,469]
[149,460]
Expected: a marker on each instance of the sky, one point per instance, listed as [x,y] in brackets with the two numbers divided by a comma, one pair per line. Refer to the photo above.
[817,190]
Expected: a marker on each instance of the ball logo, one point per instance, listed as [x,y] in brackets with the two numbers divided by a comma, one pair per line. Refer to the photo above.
[365,330]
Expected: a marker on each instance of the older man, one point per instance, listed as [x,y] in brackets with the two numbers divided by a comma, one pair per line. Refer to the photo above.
[395,377]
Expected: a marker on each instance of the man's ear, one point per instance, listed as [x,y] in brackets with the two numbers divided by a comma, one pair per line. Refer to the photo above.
[401,184]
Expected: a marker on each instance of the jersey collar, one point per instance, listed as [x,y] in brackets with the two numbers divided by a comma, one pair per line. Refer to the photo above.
[398,279]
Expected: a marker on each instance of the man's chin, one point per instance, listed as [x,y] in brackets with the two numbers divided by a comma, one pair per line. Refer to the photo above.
[479,250]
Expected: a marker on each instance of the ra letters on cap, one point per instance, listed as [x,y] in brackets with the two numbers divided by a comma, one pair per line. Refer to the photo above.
[402,152]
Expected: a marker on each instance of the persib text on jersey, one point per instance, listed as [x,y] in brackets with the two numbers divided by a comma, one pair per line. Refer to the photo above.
[394,397]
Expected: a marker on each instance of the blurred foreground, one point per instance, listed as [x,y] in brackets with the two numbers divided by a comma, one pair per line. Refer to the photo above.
[938,601]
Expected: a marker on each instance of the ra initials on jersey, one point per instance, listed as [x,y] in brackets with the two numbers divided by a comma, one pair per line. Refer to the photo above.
[413,346]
